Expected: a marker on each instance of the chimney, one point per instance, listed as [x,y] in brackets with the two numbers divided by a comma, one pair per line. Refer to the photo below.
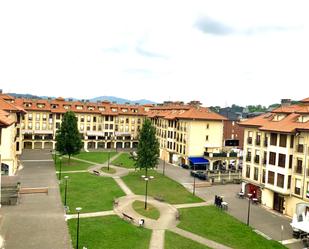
[285,102]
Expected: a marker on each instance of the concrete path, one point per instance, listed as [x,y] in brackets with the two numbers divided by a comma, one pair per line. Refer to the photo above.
[157,239]
[38,221]
[123,186]
[189,205]
[88,215]
[72,171]
[199,239]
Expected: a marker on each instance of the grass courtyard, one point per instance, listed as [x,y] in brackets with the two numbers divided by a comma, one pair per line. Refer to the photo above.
[171,191]
[74,164]
[109,232]
[96,157]
[175,241]
[215,224]
[151,212]
[124,160]
[92,193]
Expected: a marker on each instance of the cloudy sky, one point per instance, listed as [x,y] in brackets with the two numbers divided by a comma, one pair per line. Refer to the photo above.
[218,52]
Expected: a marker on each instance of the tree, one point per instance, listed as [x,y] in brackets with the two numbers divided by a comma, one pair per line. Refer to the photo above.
[148,147]
[68,140]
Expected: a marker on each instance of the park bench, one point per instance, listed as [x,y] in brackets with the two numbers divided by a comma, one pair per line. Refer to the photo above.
[177,216]
[97,173]
[43,190]
[159,198]
[125,216]
[116,202]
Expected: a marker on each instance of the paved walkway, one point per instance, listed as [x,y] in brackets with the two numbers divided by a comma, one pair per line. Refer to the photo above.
[88,215]
[157,239]
[197,238]
[38,221]
[123,186]
[189,205]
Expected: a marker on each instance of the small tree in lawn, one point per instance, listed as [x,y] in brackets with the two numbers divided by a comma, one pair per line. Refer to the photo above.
[148,147]
[68,140]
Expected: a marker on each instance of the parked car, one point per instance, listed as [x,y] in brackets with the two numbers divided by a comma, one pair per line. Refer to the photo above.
[199,174]
[185,166]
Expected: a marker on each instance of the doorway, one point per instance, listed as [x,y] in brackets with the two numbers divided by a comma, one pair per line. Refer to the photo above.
[278,202]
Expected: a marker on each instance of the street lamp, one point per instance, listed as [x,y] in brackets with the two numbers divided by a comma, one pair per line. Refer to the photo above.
[164,165]
[249,195]
[108,156]
[194,179]
[60,165]
[78,209]
[146,180]
[65,191]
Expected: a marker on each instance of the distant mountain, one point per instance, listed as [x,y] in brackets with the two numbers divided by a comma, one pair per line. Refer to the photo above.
[121,100]
[109,98]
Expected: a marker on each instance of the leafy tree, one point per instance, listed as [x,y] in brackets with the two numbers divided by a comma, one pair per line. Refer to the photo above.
[148,147]
[68,140]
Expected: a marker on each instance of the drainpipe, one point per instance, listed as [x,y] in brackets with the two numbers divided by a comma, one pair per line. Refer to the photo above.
[305,167]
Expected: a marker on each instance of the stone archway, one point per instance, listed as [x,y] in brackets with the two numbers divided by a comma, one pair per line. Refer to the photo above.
[38,145]
[119,145]
[27,145]
[127,145]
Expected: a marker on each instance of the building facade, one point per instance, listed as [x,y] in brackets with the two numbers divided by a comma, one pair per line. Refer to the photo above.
[276,163]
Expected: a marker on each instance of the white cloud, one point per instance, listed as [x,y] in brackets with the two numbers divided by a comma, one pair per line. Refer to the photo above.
[142,49]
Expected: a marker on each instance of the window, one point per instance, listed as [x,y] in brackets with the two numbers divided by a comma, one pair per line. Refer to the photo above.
[264,176]
[37,117]
[106,118]
[207,126]
[297,186]
[58,116]
[248,158]
[299,166]
[258,138]
[88,118]
[273,139]
[307,192]
[283,139]
[289,182]
[292,141]
[94,119]
[271,177]
[281,162]
[57,125]
[44,126]
[106,126]
[257,157]
[280,180]
[82,119]
[249,141]
[111,126]
[256,173]
[248,171]
[290,161]
[272,158]
[206,137]
[37,126]
[44,117]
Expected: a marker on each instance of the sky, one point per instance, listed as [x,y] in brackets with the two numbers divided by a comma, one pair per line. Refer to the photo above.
[218,52]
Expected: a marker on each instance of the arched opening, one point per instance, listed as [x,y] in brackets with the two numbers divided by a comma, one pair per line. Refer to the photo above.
[119,145]
[127,145]
[101,145]
[5,169]
[91,145]
[48,145]
[38,145]
[108,145]
[135,144]
[27,145]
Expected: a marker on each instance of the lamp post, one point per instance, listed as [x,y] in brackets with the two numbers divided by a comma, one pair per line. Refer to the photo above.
[194,179]
[164,165]
[108,156]
[249,195]
[146,191]
[65,191]
[60,165]
[78,209]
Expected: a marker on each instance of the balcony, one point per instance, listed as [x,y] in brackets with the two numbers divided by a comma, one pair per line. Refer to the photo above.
[249,140]
[300,148]
[220,154]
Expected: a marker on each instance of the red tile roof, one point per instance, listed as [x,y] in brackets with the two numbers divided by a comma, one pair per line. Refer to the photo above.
[5,119]
[288,123]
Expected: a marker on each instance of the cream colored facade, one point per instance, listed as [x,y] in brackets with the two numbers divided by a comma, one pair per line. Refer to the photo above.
[277,164]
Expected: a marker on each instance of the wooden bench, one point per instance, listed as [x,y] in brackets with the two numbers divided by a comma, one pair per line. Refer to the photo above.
[159,198]
[97,173]
[43,190]
[125,216]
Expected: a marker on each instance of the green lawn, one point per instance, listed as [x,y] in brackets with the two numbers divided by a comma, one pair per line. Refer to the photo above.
[175,241]
[109,171]
[171,191]
[219,226]
[151,212]
[74,165]
[96,157]
[92,193]
[125,161]
[109,232]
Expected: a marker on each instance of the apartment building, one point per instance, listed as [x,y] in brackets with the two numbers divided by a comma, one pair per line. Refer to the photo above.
[189,134]
[276,163]
[10,135]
